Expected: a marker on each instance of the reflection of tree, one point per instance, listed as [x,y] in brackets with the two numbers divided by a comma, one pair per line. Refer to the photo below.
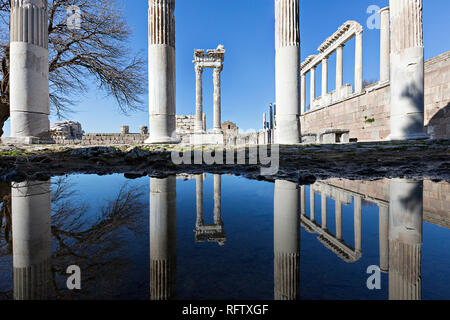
[5,212]
[96,244]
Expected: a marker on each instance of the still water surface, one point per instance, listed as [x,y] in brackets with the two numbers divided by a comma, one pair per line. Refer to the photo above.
[224,237]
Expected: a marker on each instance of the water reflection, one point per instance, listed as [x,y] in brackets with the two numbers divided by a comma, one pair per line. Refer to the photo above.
[51,229]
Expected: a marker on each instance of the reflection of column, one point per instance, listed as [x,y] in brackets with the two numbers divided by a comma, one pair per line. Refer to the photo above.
[312,204]
[199,199]
[384,236]
[161,71]
[312,87]
[163,238]
[302,200]
[407,70]
[385,46]
[31,233]
[303,94]
[357,222]
[323,206]
[198,126]
[286,240]
[287,70]
[217,100]
[338,209]
[339,67]
[29,90]
[218,199]
[405,239]
[359,62]
[324,76]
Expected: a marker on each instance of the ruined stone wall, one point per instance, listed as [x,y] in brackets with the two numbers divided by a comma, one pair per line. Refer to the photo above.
[185,123]
[367,115]
[95,139]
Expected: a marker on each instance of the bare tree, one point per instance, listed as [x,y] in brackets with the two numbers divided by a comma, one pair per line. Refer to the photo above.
[96,52]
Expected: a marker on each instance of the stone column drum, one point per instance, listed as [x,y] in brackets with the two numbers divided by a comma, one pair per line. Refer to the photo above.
[217,100]
[31,233]
[29,89]
[385,46]
[161,72]
[407,70]
[312,87]
[163,238]
[405,239]
[286,240]
[287,70]
[359,62]
[198,125]
[324,77]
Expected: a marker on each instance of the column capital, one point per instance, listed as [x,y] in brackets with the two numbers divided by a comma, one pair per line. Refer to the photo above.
[198,69]
[384,10]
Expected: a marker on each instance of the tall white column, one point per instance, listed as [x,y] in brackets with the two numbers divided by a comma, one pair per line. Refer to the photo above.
[384,236]
[162,72]
[385,46]
[217,100]
[312,204]
[218,199]
[357,211]
[287,70]
[359,62]
[338,216]
[198,125]
[312,87]
[323,206]
[324,76]
[407,70]
[303,94]
[302,201]
[31,233]
[29,69]
[286,241]
[163,238]
[199,199]
[405,239]
[339,67]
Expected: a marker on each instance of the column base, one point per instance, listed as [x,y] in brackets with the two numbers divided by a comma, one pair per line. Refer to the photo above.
[413,136]
[24,140]
[162,140]
[217,131]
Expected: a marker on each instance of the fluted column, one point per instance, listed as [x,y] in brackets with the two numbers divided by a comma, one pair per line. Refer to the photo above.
[357,211]
[312,87]
[303,94]
[163,238]
[385,46]
[407,70]
[286,240]
[384,236]
[323,206]
[324,76]
[287,70]
[218,199]
[162,72]
[29,69]
[405,239]
[198,126]
[359,62]
[338,216]
[217,100]
[339,67]
[31,233]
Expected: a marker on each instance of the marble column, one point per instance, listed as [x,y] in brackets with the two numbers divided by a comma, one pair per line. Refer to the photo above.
[312,204]
[198,125]
[31,235]
[324,77]
[407,70]
[286,241]
[287,70]
[217,100]
[302,201]
[359,62]
[162,72]
[264,121]
[339,67]
[29,69]
[357,212]
[163,238]
[199,199]
[303,94]
[218,199]
[385,46]
[312,87]
[338,216]
[323,206]
[405,239]
[384,236]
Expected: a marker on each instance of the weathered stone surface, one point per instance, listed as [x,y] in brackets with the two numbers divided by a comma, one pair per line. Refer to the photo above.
[66,130]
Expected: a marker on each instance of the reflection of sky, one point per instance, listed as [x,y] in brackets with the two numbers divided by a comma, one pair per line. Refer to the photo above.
[243,267]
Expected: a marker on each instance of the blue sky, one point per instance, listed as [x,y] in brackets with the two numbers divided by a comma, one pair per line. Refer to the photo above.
[246,29]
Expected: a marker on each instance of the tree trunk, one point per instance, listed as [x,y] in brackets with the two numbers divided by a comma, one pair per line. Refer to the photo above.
[4,115]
